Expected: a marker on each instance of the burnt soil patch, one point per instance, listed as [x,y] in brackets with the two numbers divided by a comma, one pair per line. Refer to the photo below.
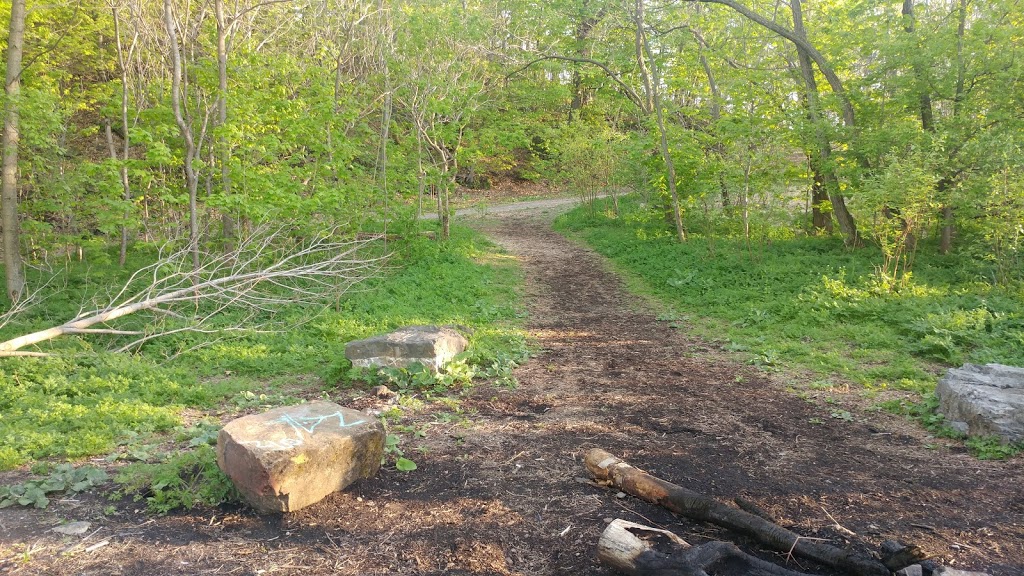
[497,489]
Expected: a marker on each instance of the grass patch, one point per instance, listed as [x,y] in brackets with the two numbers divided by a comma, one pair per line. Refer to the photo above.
[83,401]
[811,303]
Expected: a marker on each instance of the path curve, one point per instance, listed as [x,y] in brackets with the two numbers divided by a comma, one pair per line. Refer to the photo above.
[496,491]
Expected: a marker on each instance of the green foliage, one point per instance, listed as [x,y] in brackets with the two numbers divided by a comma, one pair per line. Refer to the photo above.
[416,377]
[993,448]
[81,403]
[64,479]
[182,481]
[926,411]
[902,199]
[78,406]
[394,452]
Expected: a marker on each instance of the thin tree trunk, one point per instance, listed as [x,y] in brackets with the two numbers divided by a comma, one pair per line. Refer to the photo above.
[924,95]
[126,190]
[122,63]
[824,175]
[715,109]
[420,176]
[579,91]
[14,271]
[945,184]
[746,196]
[227,220]
[649,101]
[651,83]
[191,177]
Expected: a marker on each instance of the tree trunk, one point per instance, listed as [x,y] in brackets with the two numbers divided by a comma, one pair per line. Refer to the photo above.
[715,107]
[579,91]
[651,84]
[122,63]
[820,219]
[649,101]
[191,176]
[126,193]
[946,184]
[946,238]
[13,268]
[607,468]
[801,42]
[920,82]
[227,220]
[825,181]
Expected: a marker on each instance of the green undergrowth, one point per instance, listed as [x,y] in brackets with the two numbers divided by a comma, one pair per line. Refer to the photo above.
[84,401]
[180,481]
[788,300]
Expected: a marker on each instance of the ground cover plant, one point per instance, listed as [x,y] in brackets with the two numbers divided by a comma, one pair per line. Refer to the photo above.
[84,401]
[787,299]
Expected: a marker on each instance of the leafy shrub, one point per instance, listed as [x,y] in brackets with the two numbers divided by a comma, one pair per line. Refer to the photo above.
[184,480]
[65,478]
[993,448]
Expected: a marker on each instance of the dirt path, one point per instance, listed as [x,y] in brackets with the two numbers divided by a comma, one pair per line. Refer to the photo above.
[496,489]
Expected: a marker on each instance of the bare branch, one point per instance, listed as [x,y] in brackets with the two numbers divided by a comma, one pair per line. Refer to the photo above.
[629,91]
[266,272]
[801,43]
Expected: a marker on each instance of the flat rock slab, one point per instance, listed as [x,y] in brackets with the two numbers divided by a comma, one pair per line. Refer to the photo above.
[431,346]
[984,400]
[291,457]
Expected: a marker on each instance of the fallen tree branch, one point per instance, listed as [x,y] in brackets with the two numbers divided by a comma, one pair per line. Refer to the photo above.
[634,549]
[110,331]
[267,271]
[605,467]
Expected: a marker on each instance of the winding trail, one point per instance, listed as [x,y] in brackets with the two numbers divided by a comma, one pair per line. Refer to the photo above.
[496,491]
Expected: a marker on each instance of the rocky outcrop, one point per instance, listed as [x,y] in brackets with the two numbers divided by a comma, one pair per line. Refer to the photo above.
[291,457]
[984,400]
[431,346]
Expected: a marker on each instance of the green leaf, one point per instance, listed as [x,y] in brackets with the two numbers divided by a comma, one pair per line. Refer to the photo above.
[404,464]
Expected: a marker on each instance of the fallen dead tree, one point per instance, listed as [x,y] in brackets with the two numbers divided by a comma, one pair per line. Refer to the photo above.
[265,272]
[611,470]
[640,550]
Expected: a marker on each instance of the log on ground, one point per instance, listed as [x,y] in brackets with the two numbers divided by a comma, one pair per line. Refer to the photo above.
[640,550]
[607,468]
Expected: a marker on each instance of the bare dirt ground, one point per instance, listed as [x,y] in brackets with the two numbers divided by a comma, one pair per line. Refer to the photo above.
[496,489]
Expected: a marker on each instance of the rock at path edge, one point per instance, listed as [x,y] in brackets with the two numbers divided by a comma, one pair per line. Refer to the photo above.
[431,346]
[984,400]
[291,457]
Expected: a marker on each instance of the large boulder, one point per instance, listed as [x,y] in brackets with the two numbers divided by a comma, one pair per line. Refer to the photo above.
[984,400]
[291,457]
[431,346]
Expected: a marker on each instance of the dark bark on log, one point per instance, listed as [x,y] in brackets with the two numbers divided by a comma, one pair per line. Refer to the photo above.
[753,508]
[605,467]
[633,549]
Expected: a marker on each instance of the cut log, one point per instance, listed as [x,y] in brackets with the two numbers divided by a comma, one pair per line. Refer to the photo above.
[640,550]
[607,468]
